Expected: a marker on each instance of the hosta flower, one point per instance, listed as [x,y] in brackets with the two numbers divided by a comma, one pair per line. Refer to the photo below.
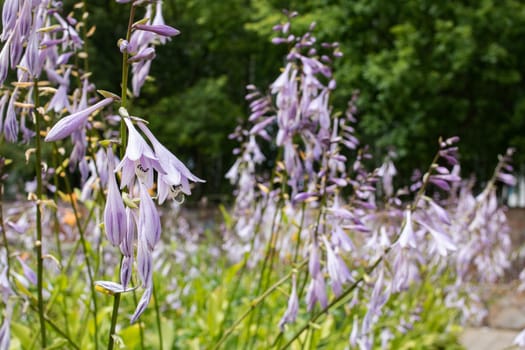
[66,126]
[11,127]
[139,160]
[293,307]
[159,29]
[407,237]
[114,213]
[176,177]
[149,219]
[337,269]
[142,305]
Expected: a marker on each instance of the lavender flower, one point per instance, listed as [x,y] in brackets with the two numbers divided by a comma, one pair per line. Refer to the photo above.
[293,307]
[149,220]
[159,29]
[114,212]
[139,159]
[176,176]
[66,126]
[142,305]
[407,238]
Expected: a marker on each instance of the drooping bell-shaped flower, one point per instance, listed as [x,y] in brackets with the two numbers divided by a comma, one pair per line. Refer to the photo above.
[149,219]
[115,221]
[139,159]
[293,307]
[142,305]
[176,177]
[407,237]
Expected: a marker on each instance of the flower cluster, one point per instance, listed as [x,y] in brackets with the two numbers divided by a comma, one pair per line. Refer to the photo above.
[319,206]
[147,33]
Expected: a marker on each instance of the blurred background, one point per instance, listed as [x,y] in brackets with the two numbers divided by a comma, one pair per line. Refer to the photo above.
[423,69]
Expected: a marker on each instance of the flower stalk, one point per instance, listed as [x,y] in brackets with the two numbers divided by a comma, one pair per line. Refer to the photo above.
[39,195]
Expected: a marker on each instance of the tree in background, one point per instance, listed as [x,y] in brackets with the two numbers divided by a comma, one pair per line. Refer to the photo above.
[423,69]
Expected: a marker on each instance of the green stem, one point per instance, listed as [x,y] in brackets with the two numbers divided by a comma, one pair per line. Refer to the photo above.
[114,316]
[123,141]
[124,82]
[157,315]
[254,304]
[38,242]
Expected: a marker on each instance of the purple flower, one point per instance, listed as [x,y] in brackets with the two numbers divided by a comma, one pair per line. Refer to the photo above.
[144,261]
[143,55]
[149,219]
[66,126]
[8,17]
[337,269]
[115,222]
[176,175]
[293,307]
[139,159]
[407,237]
[159,29]
[142,305]
[109,287]
[316,293]
[10,123]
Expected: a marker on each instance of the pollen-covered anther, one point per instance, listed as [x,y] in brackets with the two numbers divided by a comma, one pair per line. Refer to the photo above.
[141,172]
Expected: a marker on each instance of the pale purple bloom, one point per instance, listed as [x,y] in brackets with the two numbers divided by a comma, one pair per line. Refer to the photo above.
[337,269]
[24,19]
[126,269]
[126,246]
[67,125]
[159,29]
[9,12]
[140,72]
[176,175]
[60,98]
[111,287]
[144,261]
[149,219]
[145,54]
[3,103]
[159,20]
[139,159]
[10,124]
[316,293]
[142,305]
[442,241]
[33,61]
[28,272]
[114,213]
[4,63]
[407,237]
[387,171]
[293,307]
[5,333]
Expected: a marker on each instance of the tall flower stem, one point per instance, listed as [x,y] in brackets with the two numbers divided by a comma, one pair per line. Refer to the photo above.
[114,316]
[38,241]
[157,316]
[124,81]
[123,141]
